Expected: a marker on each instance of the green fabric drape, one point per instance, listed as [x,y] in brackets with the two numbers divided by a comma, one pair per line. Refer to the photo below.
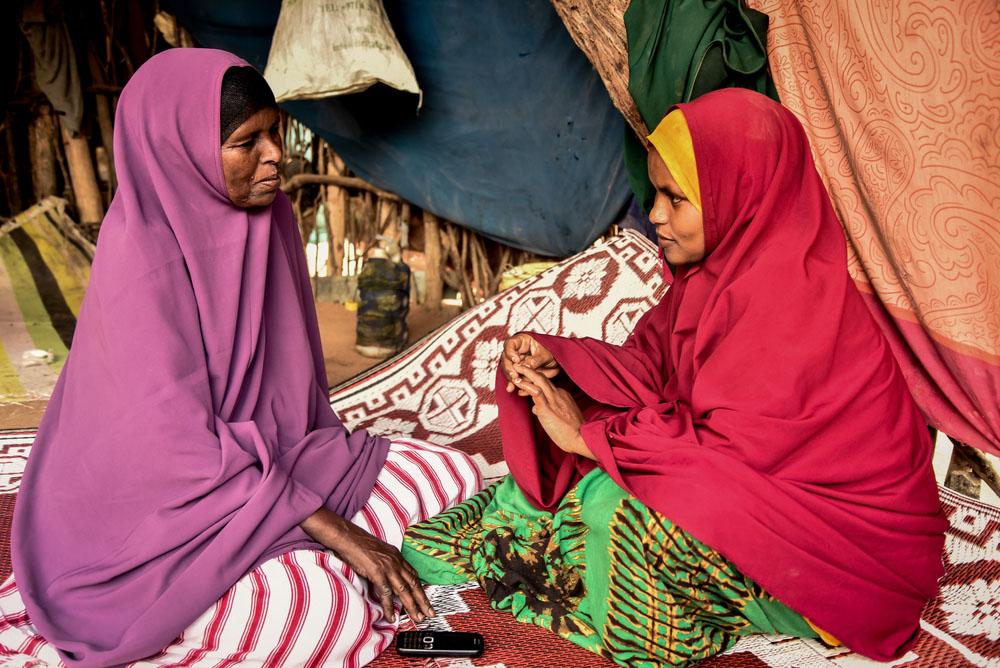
[680,49]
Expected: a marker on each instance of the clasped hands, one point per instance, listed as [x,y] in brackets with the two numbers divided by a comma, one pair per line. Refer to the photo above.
[529,368]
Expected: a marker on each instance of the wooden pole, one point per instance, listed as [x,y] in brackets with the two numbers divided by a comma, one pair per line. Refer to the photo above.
[42,139]
[368,228]
[300,180]
[337,207]
[81,172]
[387,223]
[104,120]
[434,284]
[452,276]
[107,137]
[968,468]
[501,267]
[468,295]
[478,287]
[404,226]
[961,475]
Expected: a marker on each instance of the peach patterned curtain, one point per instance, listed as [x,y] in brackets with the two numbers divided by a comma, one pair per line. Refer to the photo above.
[901,101]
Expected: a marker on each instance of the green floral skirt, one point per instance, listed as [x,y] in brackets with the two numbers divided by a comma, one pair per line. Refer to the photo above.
[603,571]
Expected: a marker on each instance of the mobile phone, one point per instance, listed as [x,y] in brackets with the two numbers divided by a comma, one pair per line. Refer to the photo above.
[439,643]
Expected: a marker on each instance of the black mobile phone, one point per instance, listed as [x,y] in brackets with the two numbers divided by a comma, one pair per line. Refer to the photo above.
[439,643]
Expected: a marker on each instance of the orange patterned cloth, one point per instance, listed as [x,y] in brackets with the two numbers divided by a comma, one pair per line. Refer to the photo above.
[901,102]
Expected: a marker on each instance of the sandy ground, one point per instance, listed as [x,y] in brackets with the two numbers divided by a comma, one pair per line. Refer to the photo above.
[22,414]
[336,326]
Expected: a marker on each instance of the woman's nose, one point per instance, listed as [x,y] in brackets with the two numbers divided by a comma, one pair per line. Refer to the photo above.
[659,214]
[272,151]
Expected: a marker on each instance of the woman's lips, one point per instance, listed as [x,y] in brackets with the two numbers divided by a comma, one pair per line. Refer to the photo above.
[665,240]
[270,183]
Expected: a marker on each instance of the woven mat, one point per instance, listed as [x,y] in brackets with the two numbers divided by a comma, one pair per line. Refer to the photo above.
[441,389]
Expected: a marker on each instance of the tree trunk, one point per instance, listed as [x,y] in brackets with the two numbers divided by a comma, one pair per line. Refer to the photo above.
[388,219]
[432,252]
[105,120]
[337,209]
[42,139]
[598,28]
[81,172]
[968,468]
[404,226]
[107,136]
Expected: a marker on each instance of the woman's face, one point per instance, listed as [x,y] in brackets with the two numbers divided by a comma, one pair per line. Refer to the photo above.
[678,222]
[250,158]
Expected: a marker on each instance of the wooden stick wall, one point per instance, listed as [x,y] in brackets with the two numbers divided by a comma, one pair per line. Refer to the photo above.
[111,38]
[39,157]
[357,212]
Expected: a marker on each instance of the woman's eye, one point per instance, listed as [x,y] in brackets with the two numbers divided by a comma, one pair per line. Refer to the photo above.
[675,200]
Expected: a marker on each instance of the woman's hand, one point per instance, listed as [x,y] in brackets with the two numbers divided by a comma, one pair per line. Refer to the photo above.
[555,409]
[522,348]
[374,560]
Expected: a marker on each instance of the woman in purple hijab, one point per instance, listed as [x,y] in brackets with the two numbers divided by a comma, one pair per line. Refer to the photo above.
[190,491]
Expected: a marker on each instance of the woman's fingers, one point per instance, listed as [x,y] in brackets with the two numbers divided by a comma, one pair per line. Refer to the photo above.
[413,579]
[400,580]
[405,593]
[384,592]
[541,355]
[526,388]
[540,381]
[508,370]
[522,350]
[419,595]
[540,400]
[514,349]
[388,574]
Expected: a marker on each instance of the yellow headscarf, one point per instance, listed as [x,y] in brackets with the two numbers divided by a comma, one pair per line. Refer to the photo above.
[672,140]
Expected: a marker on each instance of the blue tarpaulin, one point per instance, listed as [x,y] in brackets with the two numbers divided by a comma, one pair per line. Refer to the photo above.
[517,137]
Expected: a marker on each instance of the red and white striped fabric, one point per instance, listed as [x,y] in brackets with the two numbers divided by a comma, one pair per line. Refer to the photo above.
[303,608]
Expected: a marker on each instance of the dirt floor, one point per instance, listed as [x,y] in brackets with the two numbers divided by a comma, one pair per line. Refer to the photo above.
[336,325]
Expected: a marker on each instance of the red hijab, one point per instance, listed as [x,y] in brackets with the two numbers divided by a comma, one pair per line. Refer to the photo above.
[758,405]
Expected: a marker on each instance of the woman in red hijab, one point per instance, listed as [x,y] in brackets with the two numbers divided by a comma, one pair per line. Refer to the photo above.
[750,460]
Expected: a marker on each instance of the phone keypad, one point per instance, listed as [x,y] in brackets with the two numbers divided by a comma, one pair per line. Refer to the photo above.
[416,640]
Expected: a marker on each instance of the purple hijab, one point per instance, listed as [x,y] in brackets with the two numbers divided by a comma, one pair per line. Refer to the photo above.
[190,431]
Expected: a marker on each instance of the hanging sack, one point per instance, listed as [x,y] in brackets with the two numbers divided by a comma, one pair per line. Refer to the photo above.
[323,48]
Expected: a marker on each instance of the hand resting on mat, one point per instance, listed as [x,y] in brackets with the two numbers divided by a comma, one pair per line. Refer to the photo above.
[374,560]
